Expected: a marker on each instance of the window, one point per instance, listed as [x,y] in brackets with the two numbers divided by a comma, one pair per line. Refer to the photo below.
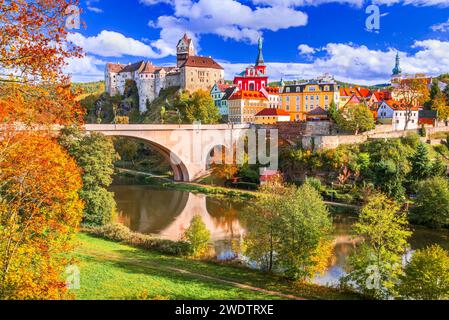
[287,90]
[298,89]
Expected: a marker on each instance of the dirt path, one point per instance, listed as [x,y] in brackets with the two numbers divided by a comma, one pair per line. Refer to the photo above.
[120,258]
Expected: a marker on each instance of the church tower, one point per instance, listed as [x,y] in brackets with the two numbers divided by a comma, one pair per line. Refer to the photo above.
[397,72]
[184,49]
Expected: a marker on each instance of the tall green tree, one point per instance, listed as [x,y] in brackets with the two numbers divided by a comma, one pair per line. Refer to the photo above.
[95,154]
[376,264]
[288,230]
[432,203]
[420,163]
[426,276]
[355,118]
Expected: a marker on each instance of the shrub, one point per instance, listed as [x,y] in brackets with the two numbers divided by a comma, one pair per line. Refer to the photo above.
[423,131]
[121,233]
[315,183]
[197,236]
[432,203]
[426,276]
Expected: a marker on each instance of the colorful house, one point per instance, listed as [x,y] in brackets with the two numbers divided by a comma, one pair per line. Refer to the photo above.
[254,78]
[272,94]
[271,116]
[217,93]
[244,105]
[347,93]
[301,98]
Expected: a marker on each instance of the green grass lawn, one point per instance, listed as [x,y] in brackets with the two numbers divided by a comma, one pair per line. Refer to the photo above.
[114,271]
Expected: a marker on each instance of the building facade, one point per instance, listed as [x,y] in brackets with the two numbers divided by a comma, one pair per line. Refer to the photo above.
[254,78]
[191,73]
[301,98]
[244,105]
[217,93]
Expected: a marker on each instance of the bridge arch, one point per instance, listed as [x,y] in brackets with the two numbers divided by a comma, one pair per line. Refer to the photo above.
[180,171]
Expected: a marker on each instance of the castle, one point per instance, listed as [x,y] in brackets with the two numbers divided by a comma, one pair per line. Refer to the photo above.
[191,73]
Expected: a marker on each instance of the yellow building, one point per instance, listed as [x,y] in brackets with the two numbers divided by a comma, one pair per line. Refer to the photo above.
[244,105]
[301,98]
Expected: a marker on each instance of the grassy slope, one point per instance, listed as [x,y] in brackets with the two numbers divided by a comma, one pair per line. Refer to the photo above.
[114,271]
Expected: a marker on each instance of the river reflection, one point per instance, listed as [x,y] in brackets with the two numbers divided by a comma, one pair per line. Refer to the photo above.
[167,213]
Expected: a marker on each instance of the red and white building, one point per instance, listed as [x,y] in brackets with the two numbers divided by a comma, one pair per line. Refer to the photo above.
[254,78]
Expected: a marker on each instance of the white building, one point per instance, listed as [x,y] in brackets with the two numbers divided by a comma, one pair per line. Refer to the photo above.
[390,112]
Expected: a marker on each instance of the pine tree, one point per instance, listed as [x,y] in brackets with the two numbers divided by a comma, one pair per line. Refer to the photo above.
[420,162]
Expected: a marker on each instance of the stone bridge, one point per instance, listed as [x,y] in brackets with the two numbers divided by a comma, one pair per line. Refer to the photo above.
[188,148]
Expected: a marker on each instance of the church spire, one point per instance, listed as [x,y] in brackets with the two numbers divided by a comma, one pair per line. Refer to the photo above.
[260,61]
[397,69]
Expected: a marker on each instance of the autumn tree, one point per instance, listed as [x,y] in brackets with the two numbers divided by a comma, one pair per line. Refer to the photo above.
[411,93]
[356,118]
[33,51]
[376,264]
[40,207]
[288,231]
[198,237]
[39,214]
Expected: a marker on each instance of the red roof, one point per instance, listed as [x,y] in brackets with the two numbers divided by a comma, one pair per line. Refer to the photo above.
[382,95]
[272,112]
[272,90]
[201,62]
[114,67]
[244,94]
[397,105]
[223,86]
[358,91]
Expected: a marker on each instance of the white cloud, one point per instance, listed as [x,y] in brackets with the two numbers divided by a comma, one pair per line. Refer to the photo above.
[85,69]
[306,49]
[229,19]
[113,44]
[356,3]
[91,7]
[442,27]
[359,64]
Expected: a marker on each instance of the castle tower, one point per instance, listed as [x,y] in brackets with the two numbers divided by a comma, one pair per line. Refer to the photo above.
[184,49]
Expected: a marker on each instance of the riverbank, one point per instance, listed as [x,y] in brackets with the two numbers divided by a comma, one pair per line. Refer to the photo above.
[131,176]
[110,270]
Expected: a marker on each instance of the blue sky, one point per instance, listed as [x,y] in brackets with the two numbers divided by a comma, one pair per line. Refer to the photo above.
[302,38]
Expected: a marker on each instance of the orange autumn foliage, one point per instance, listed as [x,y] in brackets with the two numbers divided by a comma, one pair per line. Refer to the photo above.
[40,211]
[33,39]
[34,48]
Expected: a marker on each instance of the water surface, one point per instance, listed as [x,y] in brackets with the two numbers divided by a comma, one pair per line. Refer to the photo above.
[167,213]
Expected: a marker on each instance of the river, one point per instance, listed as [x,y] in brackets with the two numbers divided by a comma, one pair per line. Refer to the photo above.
[167,213]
